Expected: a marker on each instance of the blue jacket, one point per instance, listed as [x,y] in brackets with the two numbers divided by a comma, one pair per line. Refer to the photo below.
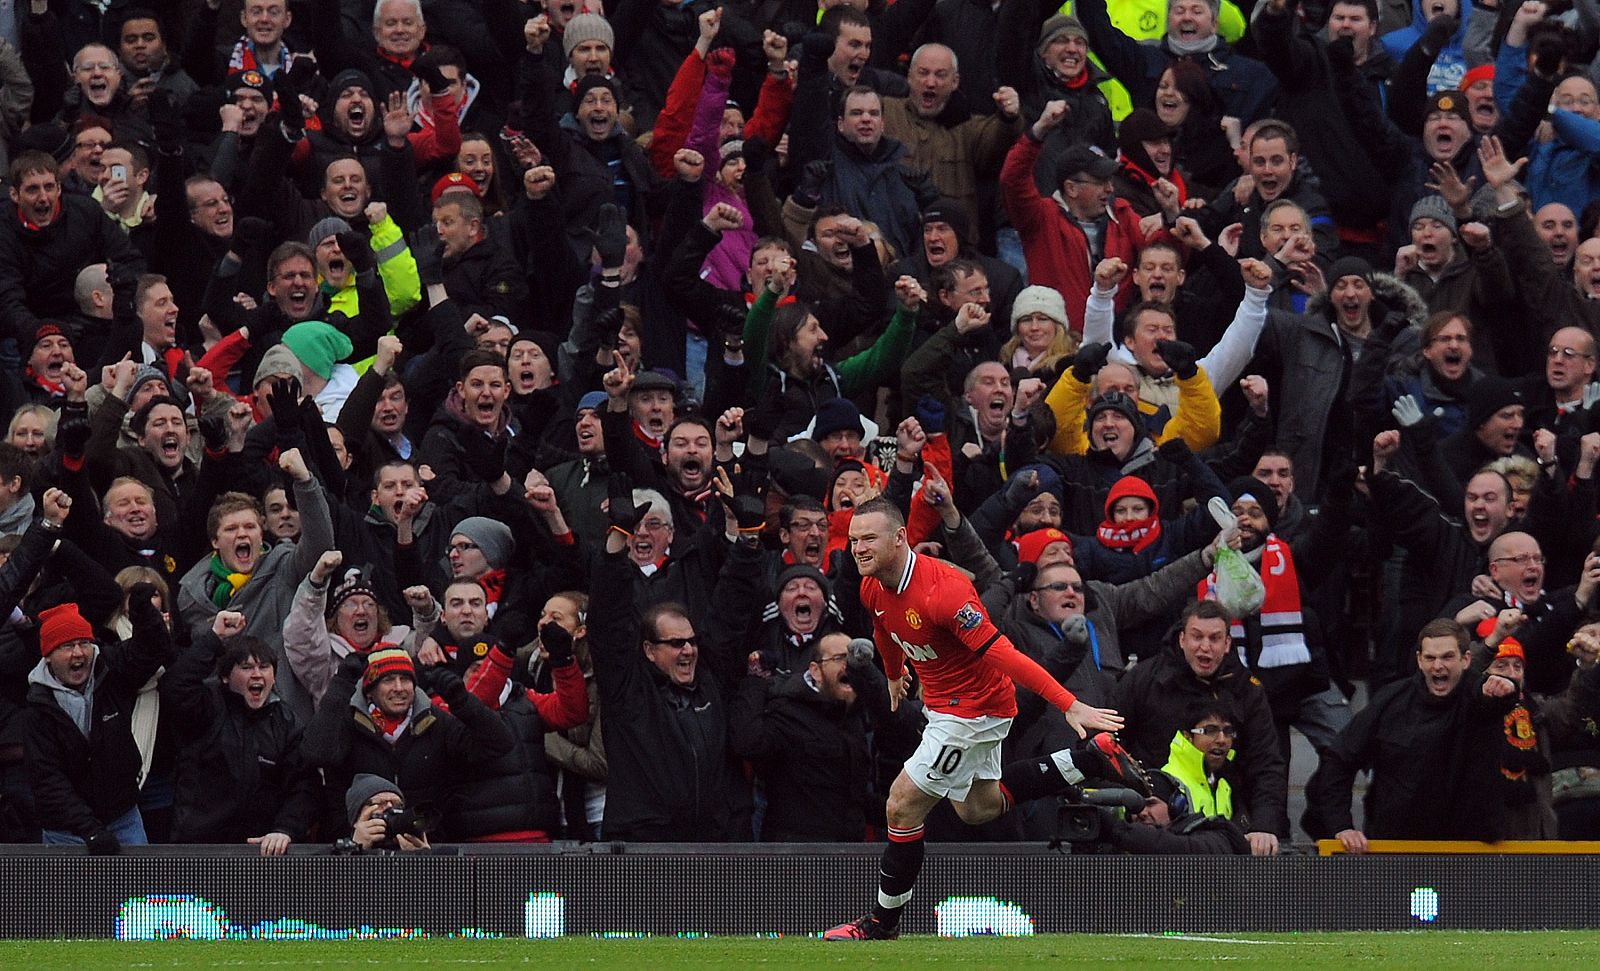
[1563,169]
[1451,64]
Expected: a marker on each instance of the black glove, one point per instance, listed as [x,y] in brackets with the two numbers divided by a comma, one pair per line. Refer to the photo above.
[103,842]
[290,111]
[1180,356]
[757,153]
[123,278]
[214,430]
[1025,576]
[608,324]
[72,438]
[284,403]
[1342,56]
[1438,32]
[430,75]
[763,420]
[809,192]
[250,233]
[620,510]
[166,121]
[750,512]
[611,237]
[142,596]
[485,455]
[1091,358]
[352,666]
[429,254]
[358,250]
[446,684]
[1175,451]
[557,643]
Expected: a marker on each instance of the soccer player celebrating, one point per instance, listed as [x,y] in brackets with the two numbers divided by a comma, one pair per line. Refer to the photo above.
[928,613]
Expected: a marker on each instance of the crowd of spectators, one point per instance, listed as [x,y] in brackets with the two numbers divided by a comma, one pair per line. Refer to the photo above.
[441,421]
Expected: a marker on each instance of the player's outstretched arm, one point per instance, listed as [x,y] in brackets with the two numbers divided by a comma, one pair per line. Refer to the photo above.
[1025,671]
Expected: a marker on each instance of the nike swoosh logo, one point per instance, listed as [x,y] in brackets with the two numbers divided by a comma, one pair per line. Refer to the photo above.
[877,613]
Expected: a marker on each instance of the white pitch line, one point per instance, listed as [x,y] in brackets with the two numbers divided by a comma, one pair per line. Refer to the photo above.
[1223,940]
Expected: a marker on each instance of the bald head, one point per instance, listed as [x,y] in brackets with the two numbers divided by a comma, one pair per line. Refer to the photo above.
[1569,363]
[1115,376]
[1558,229]
[1511,543]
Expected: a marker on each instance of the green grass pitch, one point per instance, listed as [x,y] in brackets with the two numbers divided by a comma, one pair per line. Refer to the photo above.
[1479,951]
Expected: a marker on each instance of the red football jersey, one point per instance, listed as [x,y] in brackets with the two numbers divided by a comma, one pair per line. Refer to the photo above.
[934,619]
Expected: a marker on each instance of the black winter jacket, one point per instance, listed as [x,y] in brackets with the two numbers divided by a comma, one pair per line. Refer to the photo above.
[437,754]
[515,792]
[1153,697]
[82,783]
[671,777]
[816,756]
[1434,764]
[240,773]
[39,267]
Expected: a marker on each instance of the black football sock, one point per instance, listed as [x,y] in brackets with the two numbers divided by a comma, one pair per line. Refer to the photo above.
[902,861]
[1047,775]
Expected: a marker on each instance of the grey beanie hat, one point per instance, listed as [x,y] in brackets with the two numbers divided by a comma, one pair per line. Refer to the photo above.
[493,538]
[1060,25]
[1433,207]
[278,360]
[323,228]
[148,373]
[587,26]
[364,786]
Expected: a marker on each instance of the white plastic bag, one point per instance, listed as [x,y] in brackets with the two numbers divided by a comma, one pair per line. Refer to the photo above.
[1239,588]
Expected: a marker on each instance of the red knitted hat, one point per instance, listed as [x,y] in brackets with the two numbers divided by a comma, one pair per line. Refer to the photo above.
[386,659]
[1031,546]
[1132,487]
[60,625]
[1483,72]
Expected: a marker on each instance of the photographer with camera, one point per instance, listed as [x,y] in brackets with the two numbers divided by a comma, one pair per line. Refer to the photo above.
[379,818]
[1168,824]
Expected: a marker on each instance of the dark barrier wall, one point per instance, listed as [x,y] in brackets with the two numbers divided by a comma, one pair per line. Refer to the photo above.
[721,890]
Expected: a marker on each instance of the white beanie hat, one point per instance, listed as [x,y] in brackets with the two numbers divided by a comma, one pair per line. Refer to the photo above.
[1039,300]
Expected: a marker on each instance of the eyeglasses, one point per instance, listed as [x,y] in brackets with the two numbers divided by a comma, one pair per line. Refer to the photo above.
[1212,731]
[807,526]
[1521,559]
[1060,586]
[1565,353]
[676,643]
[655,525]
[463,547]
[92,143]
[1575,101]
[836,659]
[108,67]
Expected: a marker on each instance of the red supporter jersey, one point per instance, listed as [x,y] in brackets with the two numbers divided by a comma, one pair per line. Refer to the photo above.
[933,619]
